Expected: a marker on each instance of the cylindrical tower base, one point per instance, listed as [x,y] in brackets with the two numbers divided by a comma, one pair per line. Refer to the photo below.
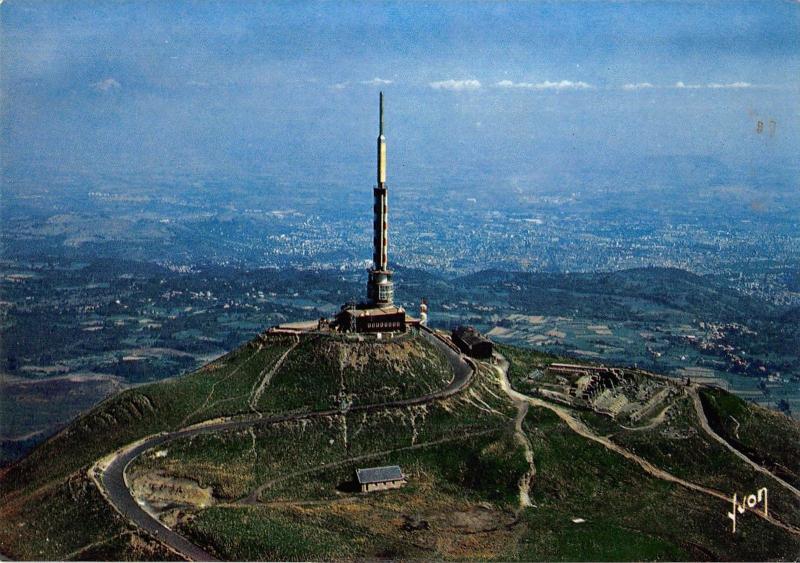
[380,288]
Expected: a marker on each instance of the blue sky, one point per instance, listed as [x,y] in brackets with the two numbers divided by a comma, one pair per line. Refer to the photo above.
[199,87]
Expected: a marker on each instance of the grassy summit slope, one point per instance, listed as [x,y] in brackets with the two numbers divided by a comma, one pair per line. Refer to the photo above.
[628,514]
[236,463]
[326,370]
[686,451]
[632,515]
[146,410]
[42,515]
[283,490]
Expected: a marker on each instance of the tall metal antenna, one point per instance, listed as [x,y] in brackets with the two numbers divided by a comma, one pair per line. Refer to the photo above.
[381,148]
[380,131]
[380,290]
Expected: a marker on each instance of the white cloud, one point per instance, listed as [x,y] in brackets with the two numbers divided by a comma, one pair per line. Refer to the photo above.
[680,85]
[564,85]
[731,85]
[455,85]
[713,85]
[637,86]
[340,86]
[546,85]
[106,84]
[377,82]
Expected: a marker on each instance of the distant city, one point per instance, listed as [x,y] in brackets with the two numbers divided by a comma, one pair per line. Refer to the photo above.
[107,286]
[744,237]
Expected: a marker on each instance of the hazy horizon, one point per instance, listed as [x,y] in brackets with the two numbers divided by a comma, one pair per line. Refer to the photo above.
[290,90]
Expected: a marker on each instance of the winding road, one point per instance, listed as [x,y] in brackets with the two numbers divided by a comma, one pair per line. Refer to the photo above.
[109,472]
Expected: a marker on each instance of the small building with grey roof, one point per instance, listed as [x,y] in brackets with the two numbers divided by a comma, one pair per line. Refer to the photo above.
[380,478]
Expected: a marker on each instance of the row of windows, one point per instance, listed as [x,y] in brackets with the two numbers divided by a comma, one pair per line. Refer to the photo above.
[395,324]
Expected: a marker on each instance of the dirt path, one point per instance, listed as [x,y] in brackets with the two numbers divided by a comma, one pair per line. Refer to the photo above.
[265,378]
[519,435]
[658,419]
[701,415]
[580,428]
[233,372]
[72,556]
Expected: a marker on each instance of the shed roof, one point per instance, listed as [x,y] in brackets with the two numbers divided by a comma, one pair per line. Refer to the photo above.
[379,474]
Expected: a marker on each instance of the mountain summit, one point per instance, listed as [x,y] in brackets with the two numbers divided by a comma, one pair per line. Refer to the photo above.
[523,456]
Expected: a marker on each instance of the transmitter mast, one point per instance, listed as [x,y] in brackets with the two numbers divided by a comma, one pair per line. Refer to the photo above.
[380,289]
[378,314]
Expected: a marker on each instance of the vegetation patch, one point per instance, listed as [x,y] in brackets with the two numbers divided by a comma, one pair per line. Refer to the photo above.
[325,372]
[449,508]
[57,520]
[625,513]
[128,546]
[768,437]
[254,533]
[681,447]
